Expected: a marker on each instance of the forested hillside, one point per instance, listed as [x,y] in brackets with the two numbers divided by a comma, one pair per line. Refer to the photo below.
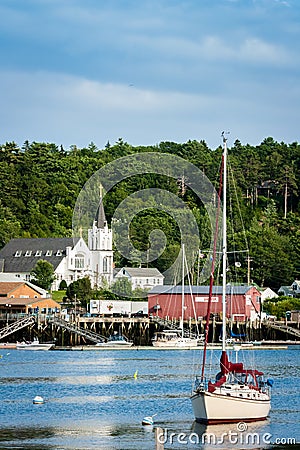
[40,183]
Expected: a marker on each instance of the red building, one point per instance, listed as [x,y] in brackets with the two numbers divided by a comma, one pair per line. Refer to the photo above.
[242,302]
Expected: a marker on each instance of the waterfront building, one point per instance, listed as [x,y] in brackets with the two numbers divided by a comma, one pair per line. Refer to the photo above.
[17,297]
[243,302]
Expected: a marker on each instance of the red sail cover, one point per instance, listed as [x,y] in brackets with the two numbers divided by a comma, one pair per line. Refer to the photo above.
[227,366]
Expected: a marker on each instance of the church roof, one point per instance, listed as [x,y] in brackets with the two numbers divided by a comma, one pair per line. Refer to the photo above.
[21,255]
[100,215]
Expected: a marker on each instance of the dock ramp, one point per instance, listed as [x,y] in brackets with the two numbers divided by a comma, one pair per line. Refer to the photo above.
[73,328]
[16,326]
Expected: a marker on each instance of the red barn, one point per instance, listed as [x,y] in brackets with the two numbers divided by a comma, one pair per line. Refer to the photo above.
[242,302]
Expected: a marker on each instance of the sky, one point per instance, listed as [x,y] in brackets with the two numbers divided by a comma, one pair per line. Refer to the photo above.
[79,71]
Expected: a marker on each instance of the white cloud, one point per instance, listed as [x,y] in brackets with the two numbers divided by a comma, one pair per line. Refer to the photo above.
[73,110]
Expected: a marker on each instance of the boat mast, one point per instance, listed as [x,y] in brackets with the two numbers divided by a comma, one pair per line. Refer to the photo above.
[182,291]
[224,246]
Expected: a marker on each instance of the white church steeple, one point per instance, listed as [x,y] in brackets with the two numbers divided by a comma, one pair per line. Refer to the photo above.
[100,244]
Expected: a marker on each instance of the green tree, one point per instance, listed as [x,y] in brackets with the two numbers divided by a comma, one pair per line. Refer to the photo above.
[81,289]
[43,274]
[122,288]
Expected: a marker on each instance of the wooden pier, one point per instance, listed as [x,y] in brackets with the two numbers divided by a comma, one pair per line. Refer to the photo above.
[84,331]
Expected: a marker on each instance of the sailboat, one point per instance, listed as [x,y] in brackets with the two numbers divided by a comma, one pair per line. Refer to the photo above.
[177,338]
[236,394]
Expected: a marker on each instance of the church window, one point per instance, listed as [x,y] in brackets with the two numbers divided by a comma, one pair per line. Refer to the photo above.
[105,265]
[79,261]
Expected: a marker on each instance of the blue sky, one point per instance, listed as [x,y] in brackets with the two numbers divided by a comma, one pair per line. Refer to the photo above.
[76,71]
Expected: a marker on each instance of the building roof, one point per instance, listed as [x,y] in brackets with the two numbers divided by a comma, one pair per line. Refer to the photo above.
[100,215]
[25,301]
[286,290]
[21,255]
[9,286]
[141,272]
[6,287]
[200,290]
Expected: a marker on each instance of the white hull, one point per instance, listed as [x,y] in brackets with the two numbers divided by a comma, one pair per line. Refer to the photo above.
[33,346]
[220,408]
[114,344]
[177,343]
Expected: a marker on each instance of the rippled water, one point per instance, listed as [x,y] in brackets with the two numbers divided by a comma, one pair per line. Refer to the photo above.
[92,400]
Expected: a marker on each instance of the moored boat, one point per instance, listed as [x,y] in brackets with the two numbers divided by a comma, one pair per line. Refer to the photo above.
[33,345]
[115,340]
[174,339]
[236,394]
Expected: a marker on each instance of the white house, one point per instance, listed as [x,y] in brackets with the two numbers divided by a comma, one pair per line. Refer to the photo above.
[71,258]
[267,293]
[142,277]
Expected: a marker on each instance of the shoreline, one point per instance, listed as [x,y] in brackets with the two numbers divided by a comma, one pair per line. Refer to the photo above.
[148,347]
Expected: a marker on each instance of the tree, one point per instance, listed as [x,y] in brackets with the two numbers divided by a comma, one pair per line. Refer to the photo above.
[62,285]
[122,288]
[82,289]
[43,274]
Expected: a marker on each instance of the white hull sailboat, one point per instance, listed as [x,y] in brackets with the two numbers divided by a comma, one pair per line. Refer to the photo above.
[237,394]
[172,339]
[177,338]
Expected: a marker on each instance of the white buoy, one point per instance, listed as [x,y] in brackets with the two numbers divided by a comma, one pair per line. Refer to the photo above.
[38,400]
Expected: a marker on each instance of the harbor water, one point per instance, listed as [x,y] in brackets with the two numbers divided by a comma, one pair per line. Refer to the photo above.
[98,399]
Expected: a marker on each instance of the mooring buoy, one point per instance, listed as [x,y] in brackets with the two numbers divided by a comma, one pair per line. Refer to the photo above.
[38,400]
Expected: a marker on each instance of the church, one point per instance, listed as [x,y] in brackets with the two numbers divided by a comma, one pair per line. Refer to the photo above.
[72,258]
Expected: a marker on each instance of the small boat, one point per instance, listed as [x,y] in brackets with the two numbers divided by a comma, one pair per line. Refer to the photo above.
[236,394]
[174,339]
[33,345]
[115,340]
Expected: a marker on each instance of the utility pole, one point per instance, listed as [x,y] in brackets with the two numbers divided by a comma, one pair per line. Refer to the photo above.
[249,260]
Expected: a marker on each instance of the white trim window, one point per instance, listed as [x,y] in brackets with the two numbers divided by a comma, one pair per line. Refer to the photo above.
[79,262]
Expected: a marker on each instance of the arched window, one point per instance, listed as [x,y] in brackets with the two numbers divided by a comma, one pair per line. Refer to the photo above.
[79,261]
[105,265]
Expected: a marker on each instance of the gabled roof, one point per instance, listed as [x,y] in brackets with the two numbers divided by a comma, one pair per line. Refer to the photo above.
[141,272]
[7,287]
[286,290]
[50,249]
[204,290]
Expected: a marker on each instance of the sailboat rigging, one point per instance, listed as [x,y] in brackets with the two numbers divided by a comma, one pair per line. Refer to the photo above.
[178,338]
[237,394]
